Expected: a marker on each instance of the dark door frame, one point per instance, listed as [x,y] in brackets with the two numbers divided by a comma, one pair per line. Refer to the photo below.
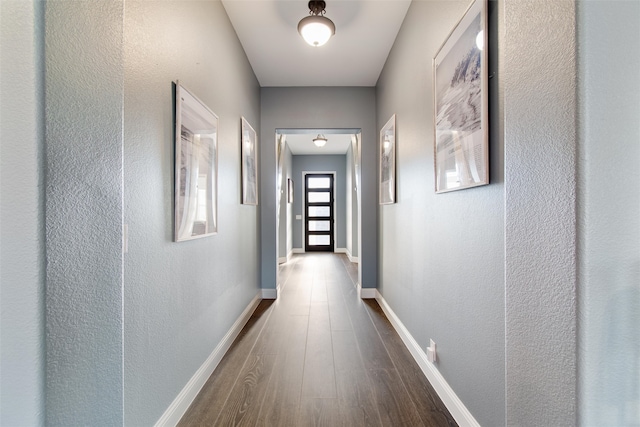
[331,204]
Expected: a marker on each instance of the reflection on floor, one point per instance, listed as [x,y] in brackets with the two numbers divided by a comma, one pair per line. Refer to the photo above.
[318,356]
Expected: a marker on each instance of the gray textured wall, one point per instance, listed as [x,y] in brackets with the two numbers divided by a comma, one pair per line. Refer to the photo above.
[320,163]
[83,92]
[609,212]
[21,215]
[318,108]
[540,217]
[442,255]
[113,320]
[545,235]
[181,298]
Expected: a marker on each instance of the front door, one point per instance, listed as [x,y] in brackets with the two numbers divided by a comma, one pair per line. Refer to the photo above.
[318,206]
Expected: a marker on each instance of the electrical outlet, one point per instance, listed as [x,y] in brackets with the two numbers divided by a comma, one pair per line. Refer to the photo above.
[431,352]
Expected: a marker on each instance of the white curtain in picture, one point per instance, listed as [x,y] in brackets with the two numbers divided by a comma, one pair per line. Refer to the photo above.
[189,171]
[249,189]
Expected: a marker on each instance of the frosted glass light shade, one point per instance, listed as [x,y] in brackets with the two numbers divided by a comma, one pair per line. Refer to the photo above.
[316,30]
[320,140]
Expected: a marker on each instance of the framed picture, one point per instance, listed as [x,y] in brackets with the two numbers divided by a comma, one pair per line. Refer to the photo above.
[196,167]
[249,164]
[289,190]
[461,154]
[388,162]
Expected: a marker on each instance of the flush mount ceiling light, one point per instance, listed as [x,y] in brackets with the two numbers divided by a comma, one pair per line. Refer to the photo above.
[316,29]
[320,140]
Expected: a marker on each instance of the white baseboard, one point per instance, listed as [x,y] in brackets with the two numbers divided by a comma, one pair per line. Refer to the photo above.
[282,260]
[366,293]
[181,403]
[348,253]
[270,293]
[453,403]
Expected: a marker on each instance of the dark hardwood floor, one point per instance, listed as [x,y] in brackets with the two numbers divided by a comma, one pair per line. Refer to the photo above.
[318,356]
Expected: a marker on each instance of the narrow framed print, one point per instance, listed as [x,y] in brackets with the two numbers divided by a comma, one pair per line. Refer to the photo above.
[387,184]
[196,167]
[460,86]
[289,190]
[249,164]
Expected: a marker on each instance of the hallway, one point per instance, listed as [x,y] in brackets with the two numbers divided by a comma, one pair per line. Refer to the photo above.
[318,356]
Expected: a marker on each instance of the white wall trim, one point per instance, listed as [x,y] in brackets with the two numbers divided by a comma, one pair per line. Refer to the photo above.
[453,403]
[348,253]
[271,293]
[298,250]
[366,293]
[183,400]
[282,260]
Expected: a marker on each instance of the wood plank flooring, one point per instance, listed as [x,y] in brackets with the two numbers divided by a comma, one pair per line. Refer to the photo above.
[318,356]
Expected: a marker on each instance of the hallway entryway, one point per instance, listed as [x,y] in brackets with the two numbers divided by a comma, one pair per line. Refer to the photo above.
[318,356]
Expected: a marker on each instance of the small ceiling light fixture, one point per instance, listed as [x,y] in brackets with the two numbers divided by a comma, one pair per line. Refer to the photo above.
[316,29]
[320,140]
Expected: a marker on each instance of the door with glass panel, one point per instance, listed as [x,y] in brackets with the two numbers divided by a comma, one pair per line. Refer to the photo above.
[318,205]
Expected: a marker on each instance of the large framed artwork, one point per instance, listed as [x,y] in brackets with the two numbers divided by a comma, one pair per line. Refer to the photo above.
[249,164]
[196,167]
[461,101]
[387,184]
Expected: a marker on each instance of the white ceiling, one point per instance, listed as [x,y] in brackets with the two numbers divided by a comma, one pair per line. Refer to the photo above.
[301,144]
[365,33]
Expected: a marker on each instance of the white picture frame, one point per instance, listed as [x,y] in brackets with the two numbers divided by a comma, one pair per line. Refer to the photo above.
[387,166]
[249,143]
[196,167]
[461,147]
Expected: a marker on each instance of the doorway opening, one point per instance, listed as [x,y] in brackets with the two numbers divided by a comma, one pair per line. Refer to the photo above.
[317,216]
